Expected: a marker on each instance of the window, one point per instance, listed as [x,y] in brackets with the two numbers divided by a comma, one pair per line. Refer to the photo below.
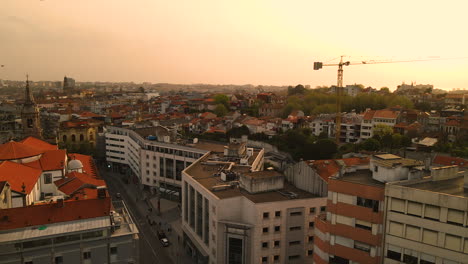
[264,244]
[278,213]
[369,203]
[28,262]
[86,255]
[362,246]
[264,259]
[294,228]
[73,137]
[410,257]
[295,213]
[276,257]
[265,230]
[323,209]
[311,239]
[363,224]
[47,178]
[293,257]
[310,252]
[58,260]
[312,210]
[292,243]
[376,169]
[277,243]
[266,215]
[277,228]
[311,224]
[113,250]
[394,253]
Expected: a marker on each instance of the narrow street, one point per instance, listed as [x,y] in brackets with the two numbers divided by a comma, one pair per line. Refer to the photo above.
[151,249]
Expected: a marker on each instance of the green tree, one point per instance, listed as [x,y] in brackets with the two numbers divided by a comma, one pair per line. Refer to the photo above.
[381,130]
[405,141]
[237,132]
[397,141]
[371,144]
[299,89]
[326,148]
[222,99]
[385,90]
[220,110]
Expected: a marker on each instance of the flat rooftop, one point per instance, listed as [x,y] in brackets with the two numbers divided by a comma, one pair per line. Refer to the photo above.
[390,160]
[360,177]
[452,186]
[207,175]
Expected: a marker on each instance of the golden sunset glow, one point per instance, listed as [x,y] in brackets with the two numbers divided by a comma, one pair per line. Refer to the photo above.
[238,42]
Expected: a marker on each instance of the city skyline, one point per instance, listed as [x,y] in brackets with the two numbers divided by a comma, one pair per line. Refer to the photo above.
[218,42]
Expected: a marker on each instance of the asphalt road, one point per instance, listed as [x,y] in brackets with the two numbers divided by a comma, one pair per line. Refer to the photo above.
[151,250]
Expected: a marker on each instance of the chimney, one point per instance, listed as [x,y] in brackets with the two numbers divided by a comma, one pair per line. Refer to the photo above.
[60,203]
[101,190]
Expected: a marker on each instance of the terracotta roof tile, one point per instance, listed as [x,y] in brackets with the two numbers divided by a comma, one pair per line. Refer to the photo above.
[39,144]
[43,214]
[449,161]
[385,113]
[16,150]
[18,174]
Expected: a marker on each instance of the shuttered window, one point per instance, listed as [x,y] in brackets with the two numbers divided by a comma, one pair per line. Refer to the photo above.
[429,237]
[398,205]
[452,242]
[455,216]
[412,232]
[396,229]
[414,208]
[432,212]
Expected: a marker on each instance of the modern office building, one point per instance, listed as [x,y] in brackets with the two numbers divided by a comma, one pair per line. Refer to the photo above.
[154,155]
[234,211]
[426,219]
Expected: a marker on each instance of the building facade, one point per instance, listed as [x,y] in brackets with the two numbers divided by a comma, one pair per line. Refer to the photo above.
[233,211]
[426,219]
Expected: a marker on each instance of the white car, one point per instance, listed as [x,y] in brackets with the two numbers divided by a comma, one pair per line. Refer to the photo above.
[164,242]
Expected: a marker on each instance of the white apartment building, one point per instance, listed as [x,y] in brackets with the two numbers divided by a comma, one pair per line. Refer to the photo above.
[233,211]
[154,155]
[427,220]
[372,118]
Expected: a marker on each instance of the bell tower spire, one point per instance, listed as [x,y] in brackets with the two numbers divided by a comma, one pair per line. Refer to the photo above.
[30,114]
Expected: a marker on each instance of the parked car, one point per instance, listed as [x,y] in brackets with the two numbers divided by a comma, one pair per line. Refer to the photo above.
[164,242]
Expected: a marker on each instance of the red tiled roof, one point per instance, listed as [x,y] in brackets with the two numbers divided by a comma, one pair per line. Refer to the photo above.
[76,181]
[385,113]
[89,114]
[18,174]
[43,214]
[329,168]
[88,164]
[448,161]
[16,150]
[39,144]
[368,115]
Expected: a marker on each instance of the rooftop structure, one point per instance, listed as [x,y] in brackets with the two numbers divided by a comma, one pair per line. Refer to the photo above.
[268,218]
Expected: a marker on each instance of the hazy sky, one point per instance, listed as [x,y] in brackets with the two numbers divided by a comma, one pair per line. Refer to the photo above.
[238,42]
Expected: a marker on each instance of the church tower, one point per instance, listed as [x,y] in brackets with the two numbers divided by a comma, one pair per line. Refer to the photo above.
[30,115]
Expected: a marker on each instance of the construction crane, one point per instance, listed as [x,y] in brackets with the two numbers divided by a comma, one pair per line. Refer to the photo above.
[339,88]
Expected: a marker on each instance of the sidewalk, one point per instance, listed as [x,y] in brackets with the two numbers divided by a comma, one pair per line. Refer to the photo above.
[170,218]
